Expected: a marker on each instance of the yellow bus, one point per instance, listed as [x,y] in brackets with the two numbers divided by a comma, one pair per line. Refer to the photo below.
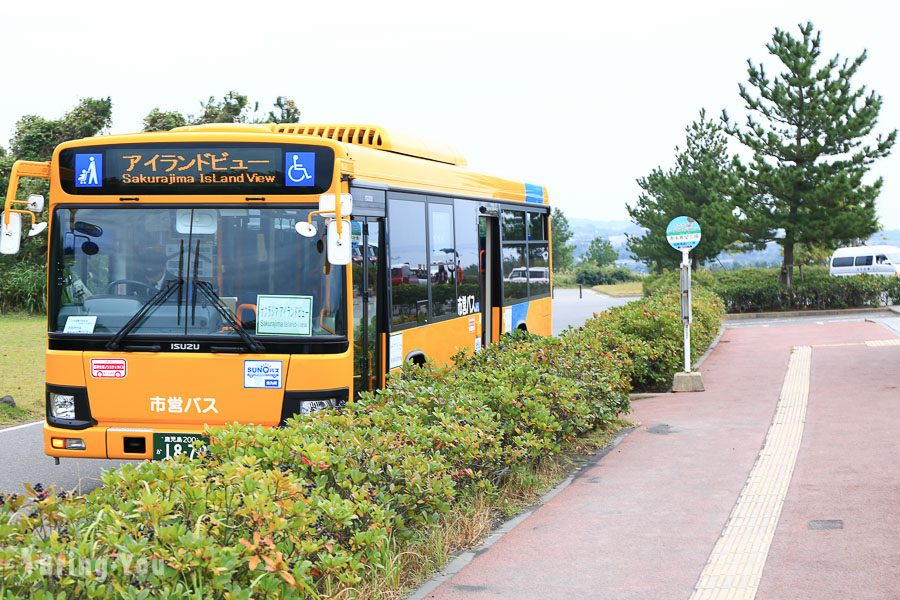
[250,273]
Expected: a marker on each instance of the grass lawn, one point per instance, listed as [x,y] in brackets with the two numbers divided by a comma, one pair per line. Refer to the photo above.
[619,290]
[23,340]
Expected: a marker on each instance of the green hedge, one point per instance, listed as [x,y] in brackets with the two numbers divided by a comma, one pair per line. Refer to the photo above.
[564,279]
[669,280]
[591,274]
[325,504]
[753,290]
[759,290]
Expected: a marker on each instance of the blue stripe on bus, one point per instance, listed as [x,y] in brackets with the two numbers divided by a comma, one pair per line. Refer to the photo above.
[534,193]
[519,314]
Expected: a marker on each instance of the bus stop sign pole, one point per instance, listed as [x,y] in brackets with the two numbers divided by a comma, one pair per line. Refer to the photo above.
[686,314]
[683,234]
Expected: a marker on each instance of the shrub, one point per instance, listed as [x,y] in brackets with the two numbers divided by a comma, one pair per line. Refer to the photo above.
[751,290]
[755,290]
[590,274]
[668,280]
[562,279]
[758,290]
[23,288]
[651,334]
[327,502]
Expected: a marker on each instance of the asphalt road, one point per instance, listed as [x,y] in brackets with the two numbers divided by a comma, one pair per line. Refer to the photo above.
[570,310]
[24,461]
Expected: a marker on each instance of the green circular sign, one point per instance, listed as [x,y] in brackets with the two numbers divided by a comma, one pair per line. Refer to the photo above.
[683,233]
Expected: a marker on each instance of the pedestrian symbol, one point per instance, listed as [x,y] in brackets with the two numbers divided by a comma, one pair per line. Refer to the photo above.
[88,170]
[299,168]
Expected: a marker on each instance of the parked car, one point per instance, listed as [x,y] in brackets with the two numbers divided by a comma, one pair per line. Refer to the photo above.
[865,260]
[537,274]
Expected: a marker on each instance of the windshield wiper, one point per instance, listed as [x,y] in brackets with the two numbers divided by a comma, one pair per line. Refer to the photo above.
[157,299]
[207,289]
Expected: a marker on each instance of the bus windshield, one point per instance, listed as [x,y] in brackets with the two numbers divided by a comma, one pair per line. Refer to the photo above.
[108,263]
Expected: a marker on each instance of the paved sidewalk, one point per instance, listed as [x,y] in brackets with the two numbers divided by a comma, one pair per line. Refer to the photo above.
[643,521]
[848,470]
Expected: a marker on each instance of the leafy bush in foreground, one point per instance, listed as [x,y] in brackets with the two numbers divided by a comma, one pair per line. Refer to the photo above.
[324,505]
[651,334]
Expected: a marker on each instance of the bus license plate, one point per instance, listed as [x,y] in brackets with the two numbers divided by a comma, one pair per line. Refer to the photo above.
[170,445]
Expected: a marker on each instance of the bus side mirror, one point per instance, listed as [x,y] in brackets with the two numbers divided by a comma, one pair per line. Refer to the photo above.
[37,229]
[11,234]
[340,248]
[35,203]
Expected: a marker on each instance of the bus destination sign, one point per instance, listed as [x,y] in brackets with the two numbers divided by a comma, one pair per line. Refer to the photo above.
[166,168]
[196,169]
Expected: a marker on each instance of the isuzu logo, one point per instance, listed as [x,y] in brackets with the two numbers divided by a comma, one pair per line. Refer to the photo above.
[182,346]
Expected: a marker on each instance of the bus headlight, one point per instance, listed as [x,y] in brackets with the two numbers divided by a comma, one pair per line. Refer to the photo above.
[67,407]
[62,406]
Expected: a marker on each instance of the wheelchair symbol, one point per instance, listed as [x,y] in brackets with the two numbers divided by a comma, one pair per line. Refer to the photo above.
[297,173]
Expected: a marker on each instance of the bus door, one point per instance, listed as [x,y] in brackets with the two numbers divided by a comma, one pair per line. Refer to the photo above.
[368,248]
[487,250]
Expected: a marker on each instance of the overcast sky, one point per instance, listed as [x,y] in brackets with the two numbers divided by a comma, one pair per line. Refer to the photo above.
[583,102]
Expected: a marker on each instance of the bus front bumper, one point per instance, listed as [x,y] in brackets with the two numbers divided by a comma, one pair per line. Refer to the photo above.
[125,443]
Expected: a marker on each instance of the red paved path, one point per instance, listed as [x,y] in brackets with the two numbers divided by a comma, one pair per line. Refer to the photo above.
[848,469]
[642,522]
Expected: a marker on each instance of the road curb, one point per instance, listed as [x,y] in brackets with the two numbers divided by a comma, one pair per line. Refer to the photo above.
[464,558]
[809,313]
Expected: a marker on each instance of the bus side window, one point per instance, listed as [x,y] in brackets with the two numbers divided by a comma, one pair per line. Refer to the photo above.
[443,267]
[409,271]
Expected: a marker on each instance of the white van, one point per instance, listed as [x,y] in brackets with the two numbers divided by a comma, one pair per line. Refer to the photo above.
[866,260]
[537,275]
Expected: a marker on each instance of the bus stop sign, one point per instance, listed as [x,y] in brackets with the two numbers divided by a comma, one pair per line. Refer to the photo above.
[683,233]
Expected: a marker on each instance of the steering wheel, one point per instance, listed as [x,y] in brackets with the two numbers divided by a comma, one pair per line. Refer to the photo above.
[144,289]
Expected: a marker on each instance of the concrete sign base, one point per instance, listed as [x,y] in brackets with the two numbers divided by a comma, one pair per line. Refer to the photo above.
[688,382]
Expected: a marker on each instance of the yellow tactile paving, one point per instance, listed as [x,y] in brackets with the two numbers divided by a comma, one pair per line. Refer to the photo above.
[875,344]
[735,565]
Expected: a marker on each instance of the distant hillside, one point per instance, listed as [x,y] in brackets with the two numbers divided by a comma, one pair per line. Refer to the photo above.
[585,230]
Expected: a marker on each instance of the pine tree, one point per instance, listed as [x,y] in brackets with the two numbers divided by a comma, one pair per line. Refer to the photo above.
[807,128]
[703,185]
